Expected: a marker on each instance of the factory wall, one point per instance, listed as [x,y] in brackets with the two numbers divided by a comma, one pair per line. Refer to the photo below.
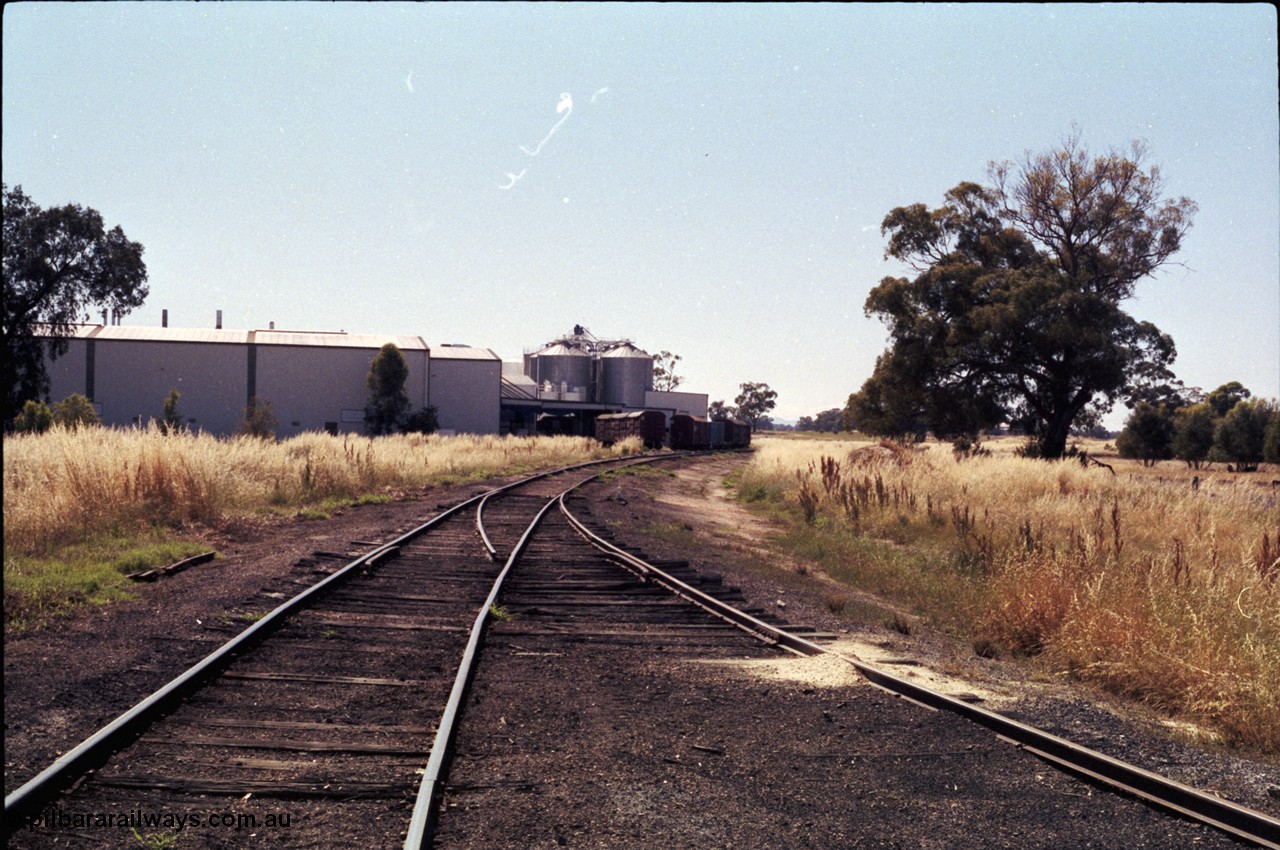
[467,393]
[133,378]
[324,388]
[314,382]
[67,374]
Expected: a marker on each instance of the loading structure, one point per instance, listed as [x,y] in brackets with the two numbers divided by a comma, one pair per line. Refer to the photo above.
[561,387]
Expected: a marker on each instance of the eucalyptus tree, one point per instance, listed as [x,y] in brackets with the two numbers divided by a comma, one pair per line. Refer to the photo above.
[59,263]
[1015,310]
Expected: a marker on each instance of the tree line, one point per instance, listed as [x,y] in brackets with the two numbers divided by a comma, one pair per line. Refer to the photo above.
[1227,426]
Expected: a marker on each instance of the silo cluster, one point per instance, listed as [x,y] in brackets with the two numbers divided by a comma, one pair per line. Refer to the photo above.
[582,368]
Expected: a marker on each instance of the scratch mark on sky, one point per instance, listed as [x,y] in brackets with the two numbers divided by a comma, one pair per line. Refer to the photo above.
[566,106]
[408,81]
[515,178]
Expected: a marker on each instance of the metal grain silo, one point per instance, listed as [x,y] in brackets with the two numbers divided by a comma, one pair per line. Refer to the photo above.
[562,366]
[626,373]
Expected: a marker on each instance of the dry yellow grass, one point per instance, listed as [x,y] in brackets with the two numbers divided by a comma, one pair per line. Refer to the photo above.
[63,486]
[1135,581]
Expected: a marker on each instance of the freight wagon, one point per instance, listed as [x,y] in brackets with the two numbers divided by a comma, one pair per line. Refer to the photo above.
[690,432]
[695,432]
[649,425]
[737,435]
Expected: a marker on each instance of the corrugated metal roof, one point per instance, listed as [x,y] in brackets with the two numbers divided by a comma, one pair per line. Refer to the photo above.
[316,339]
[131,333]
[456,352]
[311,339]
[75,332]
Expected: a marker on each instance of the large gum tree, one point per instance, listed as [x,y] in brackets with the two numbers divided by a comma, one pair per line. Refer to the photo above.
[1015,311]
[59,263]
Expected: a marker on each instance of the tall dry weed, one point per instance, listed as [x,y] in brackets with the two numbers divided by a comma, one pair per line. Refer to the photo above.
[64,485]
[1140,584]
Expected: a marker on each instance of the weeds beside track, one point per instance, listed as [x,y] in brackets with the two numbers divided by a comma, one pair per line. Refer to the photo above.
[1134,582]
[75,500]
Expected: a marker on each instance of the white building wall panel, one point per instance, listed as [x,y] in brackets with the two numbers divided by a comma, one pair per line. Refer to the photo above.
[314,388]
[694,404]
[467,394]
[132,380]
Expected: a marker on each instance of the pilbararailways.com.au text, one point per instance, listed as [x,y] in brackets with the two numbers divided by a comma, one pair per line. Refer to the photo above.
[142,819]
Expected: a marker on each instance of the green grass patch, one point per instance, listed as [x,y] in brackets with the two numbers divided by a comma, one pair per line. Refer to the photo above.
[312,514]
[90,573]
[913,564]
[373,499]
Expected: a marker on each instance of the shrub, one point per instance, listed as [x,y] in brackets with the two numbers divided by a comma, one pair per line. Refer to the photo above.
[259,420]
[1240,435]
[422,421]
[172,422]
[1148,434]
[34,418]
[75,411]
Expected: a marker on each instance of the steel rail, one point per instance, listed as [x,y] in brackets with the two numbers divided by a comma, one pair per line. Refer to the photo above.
[1233,818]
[492,551]
[97,748]
[27,800]
[422,823]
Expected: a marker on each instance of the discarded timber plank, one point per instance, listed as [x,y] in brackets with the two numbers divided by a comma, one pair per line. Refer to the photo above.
[173,569]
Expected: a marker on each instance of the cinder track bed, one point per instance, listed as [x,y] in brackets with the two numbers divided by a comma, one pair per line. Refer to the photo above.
[583,731]
[327,721]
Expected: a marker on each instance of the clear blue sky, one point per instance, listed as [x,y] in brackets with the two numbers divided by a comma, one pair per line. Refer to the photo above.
[713,186]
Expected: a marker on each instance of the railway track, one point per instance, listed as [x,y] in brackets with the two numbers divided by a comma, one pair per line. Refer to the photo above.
[349,713]
[328,703]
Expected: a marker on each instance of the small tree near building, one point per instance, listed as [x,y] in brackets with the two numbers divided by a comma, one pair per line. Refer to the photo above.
[75,411]
[259,419]
[388,404]
[34,418]
[171,421]
[59,263]
[719,411]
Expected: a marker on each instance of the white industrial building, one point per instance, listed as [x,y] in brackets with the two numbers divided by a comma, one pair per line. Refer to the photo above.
[316,381]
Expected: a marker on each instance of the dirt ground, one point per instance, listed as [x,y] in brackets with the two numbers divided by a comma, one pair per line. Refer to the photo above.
[691,515]
[64,682]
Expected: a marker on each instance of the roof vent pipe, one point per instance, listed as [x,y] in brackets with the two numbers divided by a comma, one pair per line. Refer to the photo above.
[164,318]
[271,325]
[218,324]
